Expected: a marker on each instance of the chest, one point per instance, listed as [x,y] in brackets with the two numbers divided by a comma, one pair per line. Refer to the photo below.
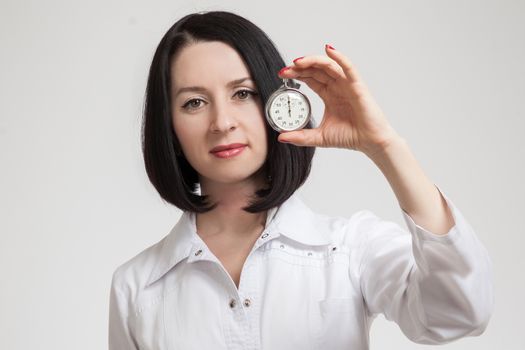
[285,289]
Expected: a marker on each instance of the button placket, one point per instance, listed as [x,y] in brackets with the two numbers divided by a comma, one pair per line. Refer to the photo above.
[240,306]
[249,298]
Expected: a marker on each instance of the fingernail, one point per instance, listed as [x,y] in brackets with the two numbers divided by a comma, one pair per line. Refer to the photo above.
[285,141]
[297,59]
[330,46]
[283,69]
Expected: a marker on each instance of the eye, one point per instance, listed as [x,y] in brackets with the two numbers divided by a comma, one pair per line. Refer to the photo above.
[195,103]
[246,93]
[191,105]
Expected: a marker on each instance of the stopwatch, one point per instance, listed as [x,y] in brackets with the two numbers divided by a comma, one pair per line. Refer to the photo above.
[287,108]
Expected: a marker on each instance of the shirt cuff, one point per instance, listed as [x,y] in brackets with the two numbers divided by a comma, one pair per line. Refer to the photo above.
[427,235]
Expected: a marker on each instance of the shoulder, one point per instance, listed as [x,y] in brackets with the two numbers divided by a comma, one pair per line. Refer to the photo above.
[344,227]
[131,276]
[358,229]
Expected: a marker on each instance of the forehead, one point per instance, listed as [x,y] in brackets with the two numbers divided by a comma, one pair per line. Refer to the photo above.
[207,62]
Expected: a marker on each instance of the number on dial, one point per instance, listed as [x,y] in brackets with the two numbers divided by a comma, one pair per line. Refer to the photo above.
[289,110]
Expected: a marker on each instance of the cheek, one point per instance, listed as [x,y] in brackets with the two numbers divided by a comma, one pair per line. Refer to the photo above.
[260,128]
[260,137]
[190,143]
[187,133]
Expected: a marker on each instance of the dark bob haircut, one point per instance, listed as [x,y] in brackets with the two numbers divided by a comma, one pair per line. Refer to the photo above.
[286,167]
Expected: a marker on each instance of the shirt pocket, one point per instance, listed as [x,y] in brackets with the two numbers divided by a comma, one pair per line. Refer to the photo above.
[338,324]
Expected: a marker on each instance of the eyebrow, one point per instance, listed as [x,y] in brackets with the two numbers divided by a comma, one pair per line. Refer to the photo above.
[202,89]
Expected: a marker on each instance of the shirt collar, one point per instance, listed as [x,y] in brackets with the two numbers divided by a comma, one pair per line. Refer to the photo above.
[293,219]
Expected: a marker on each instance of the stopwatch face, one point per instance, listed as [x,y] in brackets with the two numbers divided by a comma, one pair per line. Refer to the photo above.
[288,110]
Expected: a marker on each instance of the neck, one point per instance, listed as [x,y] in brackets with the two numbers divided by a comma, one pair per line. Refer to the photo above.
[228,218]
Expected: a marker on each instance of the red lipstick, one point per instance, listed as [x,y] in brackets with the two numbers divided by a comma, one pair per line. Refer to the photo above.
[228,151]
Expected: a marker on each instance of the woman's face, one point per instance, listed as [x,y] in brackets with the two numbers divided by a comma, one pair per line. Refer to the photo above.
[210,109]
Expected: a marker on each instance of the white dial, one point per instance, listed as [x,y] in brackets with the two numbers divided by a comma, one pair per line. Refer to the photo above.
[288,110]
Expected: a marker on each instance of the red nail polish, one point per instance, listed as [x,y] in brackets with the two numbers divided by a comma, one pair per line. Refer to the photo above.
[297,59]
[330,46]
[283,69]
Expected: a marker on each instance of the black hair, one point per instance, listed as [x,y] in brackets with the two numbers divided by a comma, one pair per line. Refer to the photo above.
[287,166]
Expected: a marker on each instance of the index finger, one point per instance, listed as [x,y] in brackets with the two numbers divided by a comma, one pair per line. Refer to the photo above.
[328,65]
[349,70]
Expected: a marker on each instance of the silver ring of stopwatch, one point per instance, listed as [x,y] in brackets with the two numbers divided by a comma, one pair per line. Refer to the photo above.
[288,109]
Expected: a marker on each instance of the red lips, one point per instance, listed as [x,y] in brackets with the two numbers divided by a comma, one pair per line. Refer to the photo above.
[224,147]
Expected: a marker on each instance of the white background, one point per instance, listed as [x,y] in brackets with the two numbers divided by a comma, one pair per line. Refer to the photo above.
[75,201]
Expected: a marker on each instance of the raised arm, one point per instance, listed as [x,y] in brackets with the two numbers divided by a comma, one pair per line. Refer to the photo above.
[353,120]
[436,282]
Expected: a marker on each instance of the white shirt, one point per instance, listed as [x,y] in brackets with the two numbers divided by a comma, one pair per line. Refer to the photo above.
[311,281]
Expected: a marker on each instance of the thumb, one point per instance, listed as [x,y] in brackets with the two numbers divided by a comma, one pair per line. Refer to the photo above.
[304,137]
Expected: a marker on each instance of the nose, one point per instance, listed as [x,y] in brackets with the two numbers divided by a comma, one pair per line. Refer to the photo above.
[222,119]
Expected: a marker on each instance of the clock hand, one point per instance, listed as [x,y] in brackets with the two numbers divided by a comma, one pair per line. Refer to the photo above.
[289,109]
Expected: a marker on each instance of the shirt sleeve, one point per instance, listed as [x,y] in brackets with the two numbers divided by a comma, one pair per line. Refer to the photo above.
[437,288]
[119,336]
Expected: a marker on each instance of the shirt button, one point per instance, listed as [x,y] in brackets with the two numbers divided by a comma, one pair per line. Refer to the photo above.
[232,303]
[247,302]
[309,253]
[264,235]
[334,248]
[198,252]
[282,246]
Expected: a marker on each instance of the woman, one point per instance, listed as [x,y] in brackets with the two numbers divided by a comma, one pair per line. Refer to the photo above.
[249,264]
